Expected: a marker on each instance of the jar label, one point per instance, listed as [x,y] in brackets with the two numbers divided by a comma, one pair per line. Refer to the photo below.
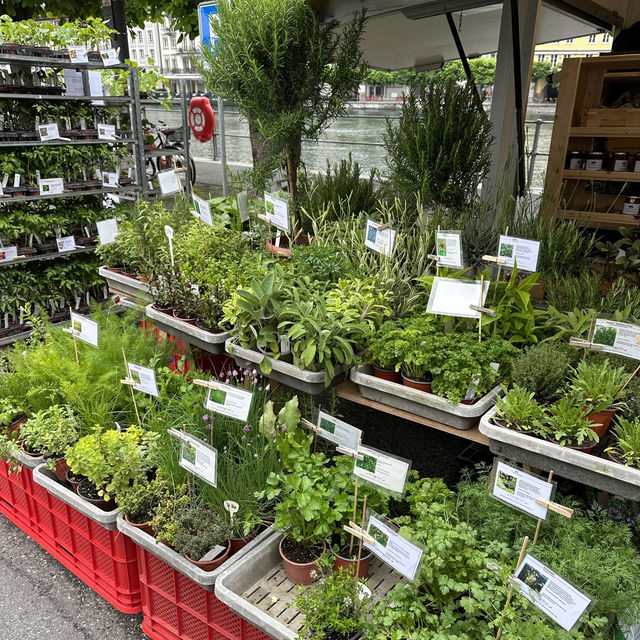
[576,163]
[620,165]
[636,166]
[593,164]
[631,208]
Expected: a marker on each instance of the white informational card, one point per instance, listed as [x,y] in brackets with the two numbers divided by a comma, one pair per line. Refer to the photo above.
[382,469]
[229,401]
[202,208]
[49,131]
[277,211]
[144,378]
[379,240]
[400,554]
[518,250]
[243,205]
[110,179]
[84,329]
[7,254]
[1,189]
[68,243]
[16,180]
[555,597]
[199,458]
[51,186]
[168,182]
[453,297]
[618,337]
[74,82]
[449,249]
[107,230]
[95,86]
[107,132]
[78,53]
[338,432]
[520,489]
[109,57]
[110,200]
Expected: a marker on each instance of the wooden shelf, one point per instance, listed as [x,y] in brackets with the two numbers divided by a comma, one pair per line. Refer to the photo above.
[622,75]
[349,391]
[599,220]
[615,176]
[604,132]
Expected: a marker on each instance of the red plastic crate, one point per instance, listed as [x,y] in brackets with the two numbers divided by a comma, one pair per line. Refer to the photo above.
[16,503]
[176,608]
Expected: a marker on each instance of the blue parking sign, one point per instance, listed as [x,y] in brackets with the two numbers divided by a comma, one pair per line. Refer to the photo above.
[207,14]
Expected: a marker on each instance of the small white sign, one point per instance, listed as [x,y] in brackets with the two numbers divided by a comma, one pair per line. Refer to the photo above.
[68,243]
[51,186]
[78,53]
[338,432]
[202,208]
[73,82]
[95,86]
[1,189]
[400,554]
[84,329]
[519,489]
[277,211]
[49,131]
[144,378]
[168,182]
[449,249]
[199,458]
[106,132]
[555,597]
[453,297]
[16,180]
[618,337]
[243,205]
[229,401]
[107,230]
[518,250]
[7,254]
[110,179]
[109,57]
[382,469]
[379,240]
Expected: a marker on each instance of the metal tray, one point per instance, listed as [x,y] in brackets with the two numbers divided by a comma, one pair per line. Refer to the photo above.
[119,283]
[585,468]
[205,340]
[420,403]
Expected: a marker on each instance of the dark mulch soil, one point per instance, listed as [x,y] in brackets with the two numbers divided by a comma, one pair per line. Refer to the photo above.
[299,554]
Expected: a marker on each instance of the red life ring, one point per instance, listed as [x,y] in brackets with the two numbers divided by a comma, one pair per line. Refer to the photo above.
[202,119]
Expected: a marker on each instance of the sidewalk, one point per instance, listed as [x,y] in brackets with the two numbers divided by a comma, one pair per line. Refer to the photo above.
[40,599]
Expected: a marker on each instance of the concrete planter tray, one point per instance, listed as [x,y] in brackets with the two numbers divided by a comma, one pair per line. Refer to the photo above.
[31,462]
[119,283]
[257,589]
[204,579]
[420,403]
[600,473]
[288,374]
[48,480]
[205,340]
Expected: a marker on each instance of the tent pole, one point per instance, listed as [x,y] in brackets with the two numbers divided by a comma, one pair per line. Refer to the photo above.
[463,59]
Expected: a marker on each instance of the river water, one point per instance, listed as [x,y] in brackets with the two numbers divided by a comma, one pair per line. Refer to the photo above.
[359,133]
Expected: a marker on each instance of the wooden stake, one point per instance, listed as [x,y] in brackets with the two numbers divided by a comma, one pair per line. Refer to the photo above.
[590,336]
[438,262]
[73,333]
[629,379]
[480,304]
[355,511]
[510,594]
[204,244]
[506,233]
[130,383]
[184,430]
[364,511]
[535,537]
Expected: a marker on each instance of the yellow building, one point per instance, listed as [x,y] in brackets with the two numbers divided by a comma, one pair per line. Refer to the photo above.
[584,47]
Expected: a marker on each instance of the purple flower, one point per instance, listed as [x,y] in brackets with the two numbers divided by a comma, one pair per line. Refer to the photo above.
[235,372]
[259,388]
[247,427]
[243,438]
[221,375]
[205,417]
[283,427]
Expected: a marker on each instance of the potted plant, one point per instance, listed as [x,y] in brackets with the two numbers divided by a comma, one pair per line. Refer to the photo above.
[519,410]
[599,387]
[569,425]
[382,353]
[50,433]
[186,301]
[626,449]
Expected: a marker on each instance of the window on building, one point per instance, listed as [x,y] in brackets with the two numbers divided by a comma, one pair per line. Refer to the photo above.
[553,59]
[150,37]
[540,57]
[592,38]
[165,43]
[133,54]
[142,55]
[569,40]
[606,37]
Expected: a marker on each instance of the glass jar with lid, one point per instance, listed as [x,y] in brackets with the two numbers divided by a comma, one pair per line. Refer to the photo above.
[618,161]
[631,206]
[575,160]
[595,161]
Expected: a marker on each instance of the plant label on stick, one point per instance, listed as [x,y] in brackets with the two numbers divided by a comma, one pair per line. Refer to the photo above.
[379,238]
[620,338]
[453,297]
[449,249]
[243,205]
[385,542]
[226,399]
[338,432]
[7,254]
[202,208]
[67,243]
[106,132]
[277,212]
[232,507]
[168,182]
[550,593]
[16,180]
[168,231]
[109,57]
[84,329]
[107,230]
[49,132]
[382,469]
[197,457]
[519,251]
[51,186]
[110,179]
[77,53]
[143,379]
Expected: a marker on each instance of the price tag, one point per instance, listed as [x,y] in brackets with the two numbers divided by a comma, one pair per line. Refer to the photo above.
[109,57]
[78,54]
[382,469]
[202,208]
[144,379]
[338,432]
[49,131]
[109,179]
[449,249]
[378,239]
[67,243]
[7,254]
[197,457]
[228,400]
[106,132]
[107,230]
[277,211]
[620,338]
[51,186]
[519,251]
[84,329]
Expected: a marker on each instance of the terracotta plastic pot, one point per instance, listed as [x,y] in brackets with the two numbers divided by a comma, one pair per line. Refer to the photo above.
[301,572]
[416,384]
[350,565]
[586,447]
[212,564]
[73,480]
[282,251]
[387,374]
[146,527]
[187,320]
[240,543]
[84,491]
[61,469]
[603,420]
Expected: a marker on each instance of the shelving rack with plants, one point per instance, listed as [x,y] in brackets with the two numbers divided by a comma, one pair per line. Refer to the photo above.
[34,56]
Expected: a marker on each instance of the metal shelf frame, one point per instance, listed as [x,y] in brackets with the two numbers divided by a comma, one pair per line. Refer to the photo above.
[46,256]
[69,194]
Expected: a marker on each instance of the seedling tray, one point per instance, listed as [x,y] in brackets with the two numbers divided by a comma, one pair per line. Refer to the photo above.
[205,340]
[420,403]
[257,588]
[588,469]
[312,382]
[131,287]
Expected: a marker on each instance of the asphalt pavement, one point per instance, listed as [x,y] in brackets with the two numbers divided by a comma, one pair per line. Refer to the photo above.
[41,600]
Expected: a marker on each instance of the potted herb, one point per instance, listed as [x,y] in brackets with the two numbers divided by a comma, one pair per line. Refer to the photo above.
[570,426]
[599,387]
[519,410]
[382,353]
[626,450]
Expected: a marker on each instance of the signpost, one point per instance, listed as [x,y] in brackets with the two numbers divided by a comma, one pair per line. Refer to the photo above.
[207,13]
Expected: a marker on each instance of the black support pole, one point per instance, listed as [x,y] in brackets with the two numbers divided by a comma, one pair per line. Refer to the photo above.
[517,81]
[114,15]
